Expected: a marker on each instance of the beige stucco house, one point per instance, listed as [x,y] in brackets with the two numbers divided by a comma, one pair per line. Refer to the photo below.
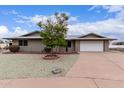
[32,42]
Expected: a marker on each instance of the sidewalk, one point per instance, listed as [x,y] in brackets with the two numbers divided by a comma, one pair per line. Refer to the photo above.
[57,82]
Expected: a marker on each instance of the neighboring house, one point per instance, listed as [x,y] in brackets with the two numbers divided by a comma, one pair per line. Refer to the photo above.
[116,44]
[32,42]
[4,44]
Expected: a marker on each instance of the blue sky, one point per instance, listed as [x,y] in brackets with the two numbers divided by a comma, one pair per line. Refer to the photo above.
[105,20]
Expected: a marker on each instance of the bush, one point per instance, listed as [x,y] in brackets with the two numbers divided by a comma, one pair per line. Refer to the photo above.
[14,48]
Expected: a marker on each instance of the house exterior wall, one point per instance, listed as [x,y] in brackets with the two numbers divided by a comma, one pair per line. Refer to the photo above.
[37,46]
[77,45]
[72,48]
[33,46]
[106,45]
[63,49]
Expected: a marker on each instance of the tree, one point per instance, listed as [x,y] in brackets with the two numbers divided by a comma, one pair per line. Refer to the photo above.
[53,30]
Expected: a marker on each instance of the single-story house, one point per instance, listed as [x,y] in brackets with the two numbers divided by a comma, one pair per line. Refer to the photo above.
[4,44]
[32,42]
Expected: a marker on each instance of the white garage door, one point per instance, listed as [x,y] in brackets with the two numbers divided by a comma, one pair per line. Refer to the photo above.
[91,45]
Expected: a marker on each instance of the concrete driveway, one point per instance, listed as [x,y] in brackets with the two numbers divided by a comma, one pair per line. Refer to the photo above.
[105,69]
[99,65]
[90,70]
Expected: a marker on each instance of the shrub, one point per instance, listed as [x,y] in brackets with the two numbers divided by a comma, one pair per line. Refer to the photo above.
[14,48]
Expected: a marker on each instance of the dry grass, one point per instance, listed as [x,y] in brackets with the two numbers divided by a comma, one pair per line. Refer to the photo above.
[32,65]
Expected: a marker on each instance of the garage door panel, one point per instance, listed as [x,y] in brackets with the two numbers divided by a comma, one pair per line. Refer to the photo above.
[91,45]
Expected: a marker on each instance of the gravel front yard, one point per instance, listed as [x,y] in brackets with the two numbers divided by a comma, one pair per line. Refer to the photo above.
[32,65]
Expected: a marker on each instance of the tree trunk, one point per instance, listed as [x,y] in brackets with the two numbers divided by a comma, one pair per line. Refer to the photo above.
[51,51]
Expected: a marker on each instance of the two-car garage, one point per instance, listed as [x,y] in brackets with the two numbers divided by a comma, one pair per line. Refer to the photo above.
[93,46]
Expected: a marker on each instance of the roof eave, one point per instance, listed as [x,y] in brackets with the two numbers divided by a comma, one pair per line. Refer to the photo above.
[20,38]
[90,39]
[17,38]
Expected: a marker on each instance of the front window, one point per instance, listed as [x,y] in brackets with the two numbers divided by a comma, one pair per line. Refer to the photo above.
[69,43]
[23,43]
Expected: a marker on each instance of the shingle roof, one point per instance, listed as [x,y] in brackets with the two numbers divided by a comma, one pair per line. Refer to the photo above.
[72,36]
[68,37]
[25,37]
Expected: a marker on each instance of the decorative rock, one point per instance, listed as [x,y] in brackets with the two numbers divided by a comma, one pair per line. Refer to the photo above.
[50,57]
[56,71]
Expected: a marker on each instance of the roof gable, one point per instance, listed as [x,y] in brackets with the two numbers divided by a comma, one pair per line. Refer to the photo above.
[92,35]
[35,33]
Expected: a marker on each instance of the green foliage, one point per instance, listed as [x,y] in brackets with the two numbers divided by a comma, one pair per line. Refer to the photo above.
[54,31]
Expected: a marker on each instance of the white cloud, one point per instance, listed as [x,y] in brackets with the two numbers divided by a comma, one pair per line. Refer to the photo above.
[73,19]
[93,7]
[9,12]
[23,17]
[3,29]
[112,27]
[31,19]
[19,21]
[13,12]
[109,27]
[98,11]
[17,31]
[37,18]
[113,8]
[109,8]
